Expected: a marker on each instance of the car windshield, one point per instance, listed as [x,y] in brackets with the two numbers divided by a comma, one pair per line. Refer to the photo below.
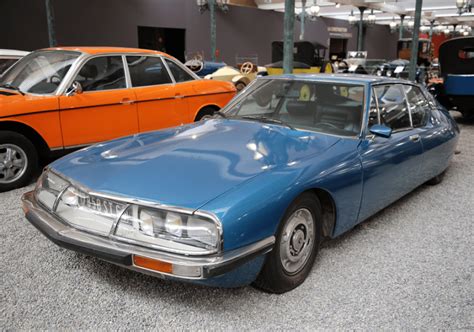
[39,72]
[327,107]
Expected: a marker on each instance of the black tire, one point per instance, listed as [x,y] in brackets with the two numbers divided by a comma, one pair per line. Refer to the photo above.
[19,143]
[436,180]
[206,111]
[273,277]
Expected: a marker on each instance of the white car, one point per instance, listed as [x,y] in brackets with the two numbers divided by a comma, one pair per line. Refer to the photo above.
[9,57]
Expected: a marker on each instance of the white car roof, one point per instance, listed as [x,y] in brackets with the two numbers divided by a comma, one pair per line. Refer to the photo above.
[15,53]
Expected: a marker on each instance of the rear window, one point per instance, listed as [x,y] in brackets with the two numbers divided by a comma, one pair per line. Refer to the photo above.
[146,71]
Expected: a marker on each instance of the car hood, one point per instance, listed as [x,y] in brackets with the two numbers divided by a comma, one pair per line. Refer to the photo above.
[190,165]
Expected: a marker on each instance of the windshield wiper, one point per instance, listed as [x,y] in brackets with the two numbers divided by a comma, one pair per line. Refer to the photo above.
[11,87]
[268,120]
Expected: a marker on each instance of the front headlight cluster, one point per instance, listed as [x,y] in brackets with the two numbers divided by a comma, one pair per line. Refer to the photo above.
[133,223]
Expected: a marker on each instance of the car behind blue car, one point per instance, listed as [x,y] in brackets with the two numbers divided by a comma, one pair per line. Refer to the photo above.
[248,195]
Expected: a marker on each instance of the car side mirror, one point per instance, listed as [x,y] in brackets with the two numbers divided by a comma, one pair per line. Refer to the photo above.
[75,89]
[381,130]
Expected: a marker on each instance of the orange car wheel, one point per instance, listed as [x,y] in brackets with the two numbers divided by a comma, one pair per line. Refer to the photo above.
[18,160]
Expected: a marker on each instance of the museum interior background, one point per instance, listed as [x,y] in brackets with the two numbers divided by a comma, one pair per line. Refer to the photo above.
[154,24]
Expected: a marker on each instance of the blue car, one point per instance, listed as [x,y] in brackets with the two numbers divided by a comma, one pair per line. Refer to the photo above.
[248,195]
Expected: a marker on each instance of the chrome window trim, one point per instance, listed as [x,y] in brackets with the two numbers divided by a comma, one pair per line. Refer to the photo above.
[170,74]
[407,103]
[399,85]
[128,79]
[183,67]
[428,112]
[150,56]
[82,61]
[59,90]
[140,202]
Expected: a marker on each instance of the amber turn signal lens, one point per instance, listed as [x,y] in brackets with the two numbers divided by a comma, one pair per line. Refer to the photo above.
[152,264]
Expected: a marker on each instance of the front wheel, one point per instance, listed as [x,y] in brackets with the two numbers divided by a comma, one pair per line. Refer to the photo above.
[296,247]
[18,160]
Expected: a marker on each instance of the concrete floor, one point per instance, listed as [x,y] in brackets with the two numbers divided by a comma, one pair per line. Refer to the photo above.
[410,266]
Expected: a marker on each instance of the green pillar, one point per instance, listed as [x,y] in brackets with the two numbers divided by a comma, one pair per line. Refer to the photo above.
[303,18]
[414,45]
[400,31]
[288,36]
[212,14]
[50,18]
[431,29]
[360,34]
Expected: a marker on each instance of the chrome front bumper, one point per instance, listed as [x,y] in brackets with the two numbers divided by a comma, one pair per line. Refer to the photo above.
[120,253]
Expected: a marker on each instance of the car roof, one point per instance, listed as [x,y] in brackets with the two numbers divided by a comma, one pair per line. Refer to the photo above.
[346,78]
[4,52]
[105,50]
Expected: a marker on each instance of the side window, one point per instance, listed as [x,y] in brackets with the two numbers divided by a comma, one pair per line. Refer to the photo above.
[392,106]
[373,111]
[179,74]
[5,64]
[147,70]
[418,105]
[102,73]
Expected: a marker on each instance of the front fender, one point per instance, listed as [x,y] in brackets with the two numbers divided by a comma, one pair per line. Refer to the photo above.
[253,211]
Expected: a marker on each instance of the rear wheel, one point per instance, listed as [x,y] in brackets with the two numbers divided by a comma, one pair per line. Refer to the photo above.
[436,180]
[18,160]
[206,111]
[296,247]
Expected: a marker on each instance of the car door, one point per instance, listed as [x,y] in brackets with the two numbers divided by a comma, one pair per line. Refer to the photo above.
[159,103]
[433,133]
[391,166]
[105,109]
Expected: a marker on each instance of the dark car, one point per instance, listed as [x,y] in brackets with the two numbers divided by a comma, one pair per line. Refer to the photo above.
[456,65]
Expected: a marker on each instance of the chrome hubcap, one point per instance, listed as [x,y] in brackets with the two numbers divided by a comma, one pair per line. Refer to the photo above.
[13,163]
[297,241]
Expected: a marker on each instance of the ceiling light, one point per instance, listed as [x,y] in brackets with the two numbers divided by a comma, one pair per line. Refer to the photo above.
[314,10]
[371,18]
[351,18]
[338,5]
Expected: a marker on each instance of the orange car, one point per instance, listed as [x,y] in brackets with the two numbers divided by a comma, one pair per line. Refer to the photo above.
[64,98]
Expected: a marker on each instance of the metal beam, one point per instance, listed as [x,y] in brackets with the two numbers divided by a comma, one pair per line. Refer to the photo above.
[400,32]
[212,14]
[360,34]
[288,36]
[414,45]
[50,18]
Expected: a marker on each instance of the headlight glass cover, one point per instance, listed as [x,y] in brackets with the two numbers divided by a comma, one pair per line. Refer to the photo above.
[154,227]
[48,188]
[146,226]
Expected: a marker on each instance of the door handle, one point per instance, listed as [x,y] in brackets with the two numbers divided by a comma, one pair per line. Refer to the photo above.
[127,101]
[178,96]
[415,138]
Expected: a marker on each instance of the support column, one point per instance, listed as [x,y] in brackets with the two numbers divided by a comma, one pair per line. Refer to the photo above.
[50,18]
[415,39]
[360,39]
[288,36]
[431,30]
[303,18]
[400,31]
[212,14]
